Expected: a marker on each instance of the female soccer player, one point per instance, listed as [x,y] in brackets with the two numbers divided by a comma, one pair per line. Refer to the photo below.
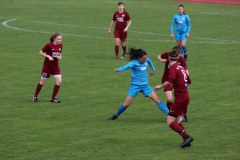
[52,53]
[139,83]
[179,78]
[168,89]
[122,21]
[183,27]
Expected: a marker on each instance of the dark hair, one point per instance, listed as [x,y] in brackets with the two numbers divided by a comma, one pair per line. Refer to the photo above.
[177,48]
[181,5]
[173,55]
[120,3]
[53,36]
[135,53]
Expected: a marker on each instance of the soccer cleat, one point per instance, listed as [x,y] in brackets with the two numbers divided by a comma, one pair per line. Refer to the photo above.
[184,119]
[55,100]
[35,99]
[112,118]
[188,145]
[186,142]
[123,55]
[185,57]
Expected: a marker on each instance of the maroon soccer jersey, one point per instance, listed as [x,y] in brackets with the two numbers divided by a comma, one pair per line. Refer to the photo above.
[180,61]
[54,51]
[179,78]
[121,20]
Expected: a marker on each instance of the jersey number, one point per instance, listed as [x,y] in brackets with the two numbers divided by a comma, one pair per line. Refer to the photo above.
[185,77]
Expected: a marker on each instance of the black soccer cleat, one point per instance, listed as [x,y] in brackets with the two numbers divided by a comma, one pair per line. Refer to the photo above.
[112,118]
[35,99]
[55,100]
[188,145]
[185,57]
[184,119]
[186,142]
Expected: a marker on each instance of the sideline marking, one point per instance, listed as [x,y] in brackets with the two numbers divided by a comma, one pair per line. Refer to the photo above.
[217,41]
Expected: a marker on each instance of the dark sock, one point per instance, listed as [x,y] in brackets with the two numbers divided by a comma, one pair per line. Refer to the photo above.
[124,50]
[184,49]
[38,89]
[181,125]
[116,50]
[55,91]
[169,104]
[177,128]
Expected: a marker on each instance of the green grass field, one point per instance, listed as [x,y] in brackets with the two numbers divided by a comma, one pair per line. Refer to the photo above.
[91,92]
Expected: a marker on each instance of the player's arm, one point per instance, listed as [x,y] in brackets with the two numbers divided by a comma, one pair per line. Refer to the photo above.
[42,53]
[172,27]
[110,28]
[128,25]
[188,23]
[123,68]
[162,85]
[159,57]
[150,63]
[184,65]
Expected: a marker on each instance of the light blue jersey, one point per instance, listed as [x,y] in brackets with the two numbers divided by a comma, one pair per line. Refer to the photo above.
[139,71]
[183,25]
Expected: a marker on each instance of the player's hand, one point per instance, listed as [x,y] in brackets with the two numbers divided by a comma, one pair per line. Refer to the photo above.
[152,73]
[125,29]
[158,87]
[172,36]
[187,35]
[115,70]
[109,32]
[59,57]
[50,58]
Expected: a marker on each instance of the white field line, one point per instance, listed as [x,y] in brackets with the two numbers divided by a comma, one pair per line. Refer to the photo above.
[213,41]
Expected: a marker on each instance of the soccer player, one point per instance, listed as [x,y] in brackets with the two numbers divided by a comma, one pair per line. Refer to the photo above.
[52,53]
[168,89]
[183,27]
[179,79]
[122,22]
[139,83]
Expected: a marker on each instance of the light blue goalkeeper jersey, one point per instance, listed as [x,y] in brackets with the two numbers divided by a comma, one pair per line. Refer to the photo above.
[183,24]
[139,71]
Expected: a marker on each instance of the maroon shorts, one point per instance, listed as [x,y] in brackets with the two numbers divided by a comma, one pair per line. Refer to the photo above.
[121,35]
[179,106]
[47,71]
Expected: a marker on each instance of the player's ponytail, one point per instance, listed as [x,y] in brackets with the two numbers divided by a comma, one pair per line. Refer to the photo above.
[53,36]
[135,53]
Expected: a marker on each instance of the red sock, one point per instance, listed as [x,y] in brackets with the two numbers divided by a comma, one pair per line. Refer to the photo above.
[124,50]
[116,50]
[38,89]
[55,91]
[181,125]
[177,128]
[169,104]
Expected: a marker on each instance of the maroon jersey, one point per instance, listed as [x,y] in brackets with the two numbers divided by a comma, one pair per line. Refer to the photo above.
[121,20]
[54,51]
[179,78]
[180,61]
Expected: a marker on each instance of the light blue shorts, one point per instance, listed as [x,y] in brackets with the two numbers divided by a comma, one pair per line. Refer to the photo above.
[181,36]
[135,89]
